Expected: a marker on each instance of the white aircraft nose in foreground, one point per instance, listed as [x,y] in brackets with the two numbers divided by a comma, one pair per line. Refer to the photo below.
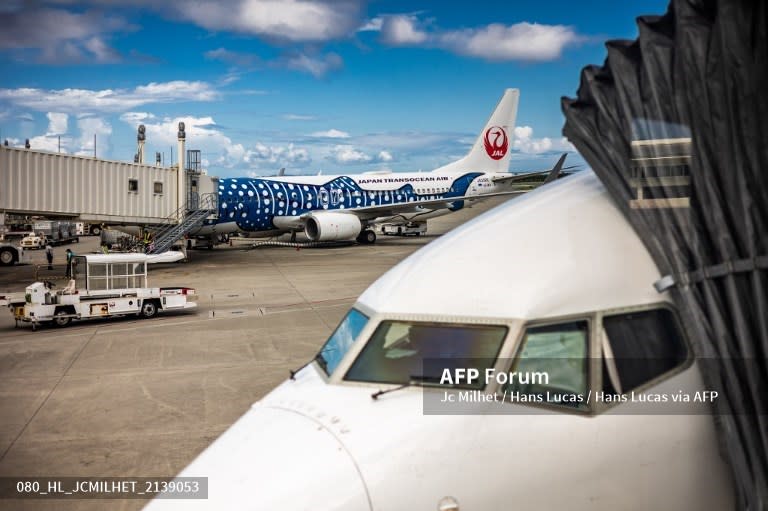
[555,282]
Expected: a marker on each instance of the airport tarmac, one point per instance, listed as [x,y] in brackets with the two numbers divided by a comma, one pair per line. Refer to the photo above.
[128,397]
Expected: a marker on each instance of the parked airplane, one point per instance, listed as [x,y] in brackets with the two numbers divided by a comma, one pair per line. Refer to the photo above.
[565,291]
[329,208]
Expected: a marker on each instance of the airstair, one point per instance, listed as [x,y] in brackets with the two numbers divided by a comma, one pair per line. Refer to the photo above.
[170,231]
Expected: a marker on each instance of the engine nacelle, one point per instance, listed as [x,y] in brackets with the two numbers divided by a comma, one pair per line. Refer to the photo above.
[330,226]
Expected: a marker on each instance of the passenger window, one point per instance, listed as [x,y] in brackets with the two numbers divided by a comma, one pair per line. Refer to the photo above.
[642,346]
[158,187]
[552,365]
[133,185]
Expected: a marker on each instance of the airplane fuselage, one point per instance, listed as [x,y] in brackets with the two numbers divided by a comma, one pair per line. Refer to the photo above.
[276,204]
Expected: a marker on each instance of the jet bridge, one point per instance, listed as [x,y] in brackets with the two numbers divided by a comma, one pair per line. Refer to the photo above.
[111,192]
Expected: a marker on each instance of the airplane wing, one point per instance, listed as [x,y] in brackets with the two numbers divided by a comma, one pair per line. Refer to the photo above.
[548,175]
[418,206]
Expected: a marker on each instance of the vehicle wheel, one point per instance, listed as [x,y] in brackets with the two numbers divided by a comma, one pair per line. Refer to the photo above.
[61,318]
[369,237]
[7,257]
[148,309]
[399,231]
[95,231]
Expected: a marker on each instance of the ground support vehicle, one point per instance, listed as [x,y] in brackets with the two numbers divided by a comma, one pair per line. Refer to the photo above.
[409,229]
[11,254]
[102,285]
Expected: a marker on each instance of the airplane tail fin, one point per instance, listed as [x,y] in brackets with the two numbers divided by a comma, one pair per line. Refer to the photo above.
[492,148]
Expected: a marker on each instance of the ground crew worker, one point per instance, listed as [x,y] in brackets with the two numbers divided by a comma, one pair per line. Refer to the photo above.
[70,255]
[49,255]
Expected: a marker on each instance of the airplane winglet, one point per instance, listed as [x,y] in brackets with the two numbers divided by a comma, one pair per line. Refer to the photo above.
[555,172]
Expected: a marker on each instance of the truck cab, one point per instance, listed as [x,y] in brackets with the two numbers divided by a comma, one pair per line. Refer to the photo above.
[34,240]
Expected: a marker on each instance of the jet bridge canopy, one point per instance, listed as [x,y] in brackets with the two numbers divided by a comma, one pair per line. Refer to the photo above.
[674,124]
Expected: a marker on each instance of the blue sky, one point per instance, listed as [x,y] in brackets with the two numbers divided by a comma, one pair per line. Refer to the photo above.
[339,86]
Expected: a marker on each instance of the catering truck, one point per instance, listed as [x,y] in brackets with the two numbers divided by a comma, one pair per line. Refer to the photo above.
[102,285]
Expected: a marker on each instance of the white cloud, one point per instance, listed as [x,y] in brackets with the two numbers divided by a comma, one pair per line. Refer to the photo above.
[299,117]
[176,90]
[292,20]
[402,30]
[57,123]
[90,126]
[372,25]
[202,130]
[525,142]
[203,133]
[47,143]
[100,50]
[109,100]
[289,154]
[521,41]
[55,138]
[232,57]
[60,36]
[331,133]
[136,117]
[348,154]
[316,66]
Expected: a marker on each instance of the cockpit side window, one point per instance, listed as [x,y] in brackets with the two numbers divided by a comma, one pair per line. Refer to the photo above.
[341,340]
[399,352]
[639,347]
[552,365]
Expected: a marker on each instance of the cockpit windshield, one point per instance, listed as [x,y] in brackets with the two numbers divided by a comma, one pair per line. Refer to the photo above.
[402,351]
[341,340]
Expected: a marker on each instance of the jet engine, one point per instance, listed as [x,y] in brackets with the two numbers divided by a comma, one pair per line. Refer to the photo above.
[329,226]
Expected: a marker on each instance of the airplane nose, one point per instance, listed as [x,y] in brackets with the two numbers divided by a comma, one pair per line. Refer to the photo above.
[273,459]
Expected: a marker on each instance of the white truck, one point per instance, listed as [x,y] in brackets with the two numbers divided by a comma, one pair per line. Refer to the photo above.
[409,229]
[102,285]
[86,229]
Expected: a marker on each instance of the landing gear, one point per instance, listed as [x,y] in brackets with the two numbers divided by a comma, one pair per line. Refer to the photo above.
[367,237]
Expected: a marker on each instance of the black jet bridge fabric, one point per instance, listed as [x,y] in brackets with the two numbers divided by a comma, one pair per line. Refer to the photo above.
[675,124]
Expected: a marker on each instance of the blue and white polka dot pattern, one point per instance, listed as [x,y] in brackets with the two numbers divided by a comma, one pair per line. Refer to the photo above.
[253,203]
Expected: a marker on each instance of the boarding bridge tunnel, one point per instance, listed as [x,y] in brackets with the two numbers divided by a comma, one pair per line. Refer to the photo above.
[93,190]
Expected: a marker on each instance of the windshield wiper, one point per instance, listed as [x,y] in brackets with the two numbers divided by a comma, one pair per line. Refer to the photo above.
[414,381]
[320,360]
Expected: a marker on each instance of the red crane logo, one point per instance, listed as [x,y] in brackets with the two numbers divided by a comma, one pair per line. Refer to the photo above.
[497,148]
